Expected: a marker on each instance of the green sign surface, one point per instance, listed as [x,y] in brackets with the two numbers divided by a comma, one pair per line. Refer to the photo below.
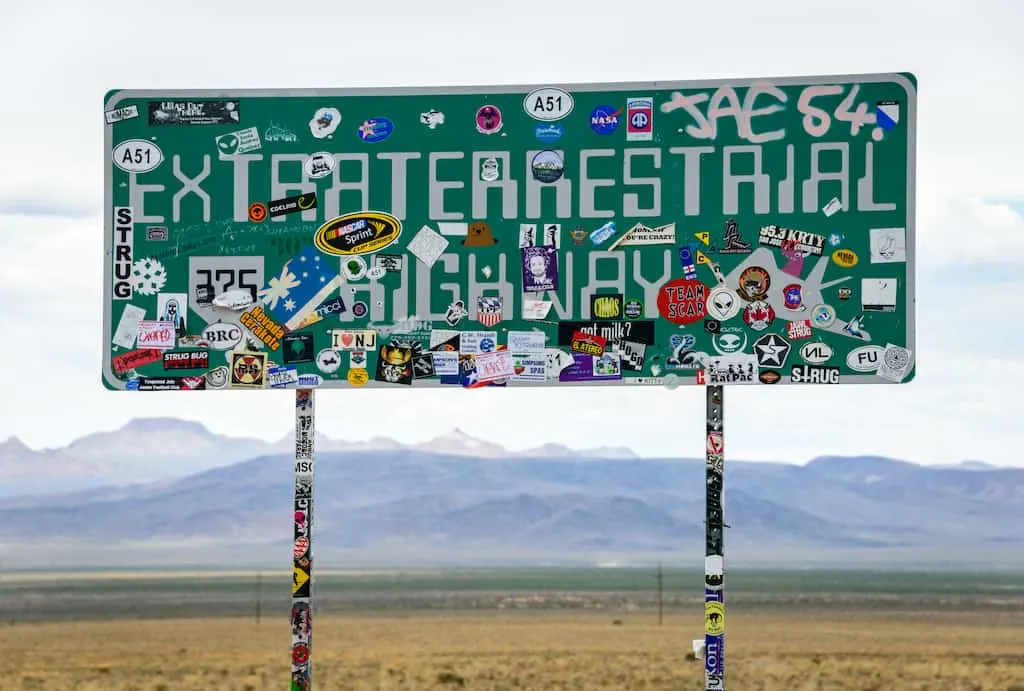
[741,232]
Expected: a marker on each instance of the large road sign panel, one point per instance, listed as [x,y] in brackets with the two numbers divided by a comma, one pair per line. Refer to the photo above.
[742,231]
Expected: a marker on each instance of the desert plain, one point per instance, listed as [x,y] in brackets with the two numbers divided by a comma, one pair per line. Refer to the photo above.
[498,632]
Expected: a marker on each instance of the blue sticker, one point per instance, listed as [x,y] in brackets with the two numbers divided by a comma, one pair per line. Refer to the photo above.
[688,260]
[605,119]
[682,340]
[549,132]
[376,130]
[132,385]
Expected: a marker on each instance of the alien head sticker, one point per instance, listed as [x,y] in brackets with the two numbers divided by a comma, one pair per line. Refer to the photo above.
[723,303]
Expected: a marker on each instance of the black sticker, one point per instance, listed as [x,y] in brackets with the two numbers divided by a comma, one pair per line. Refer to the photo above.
[613,332]
[194,113]
[606,307]
[290,205]
[297,348]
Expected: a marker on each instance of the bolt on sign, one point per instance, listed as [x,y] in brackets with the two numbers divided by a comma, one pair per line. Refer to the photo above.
[600,234]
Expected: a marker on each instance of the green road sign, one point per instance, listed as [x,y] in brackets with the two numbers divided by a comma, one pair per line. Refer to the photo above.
[751,231]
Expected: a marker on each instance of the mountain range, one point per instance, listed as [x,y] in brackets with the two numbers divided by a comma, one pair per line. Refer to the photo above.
[150,449]
[458,500]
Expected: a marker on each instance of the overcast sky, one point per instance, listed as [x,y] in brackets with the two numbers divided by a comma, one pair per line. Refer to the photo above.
[60,58]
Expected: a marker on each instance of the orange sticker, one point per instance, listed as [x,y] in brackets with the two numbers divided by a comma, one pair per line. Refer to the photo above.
[257,212]
[358,377]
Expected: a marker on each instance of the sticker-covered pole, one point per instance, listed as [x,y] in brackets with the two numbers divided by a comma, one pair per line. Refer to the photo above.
[302,548]
[714,529]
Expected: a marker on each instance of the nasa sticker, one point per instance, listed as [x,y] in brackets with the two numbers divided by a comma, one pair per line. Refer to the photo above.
[488,120]
[137,156]
[548,104]
[328,361]
[723,304]
[639,119]
[319,165]
[605,119]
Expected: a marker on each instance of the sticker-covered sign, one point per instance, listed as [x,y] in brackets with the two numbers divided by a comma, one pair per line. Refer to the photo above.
[593,234]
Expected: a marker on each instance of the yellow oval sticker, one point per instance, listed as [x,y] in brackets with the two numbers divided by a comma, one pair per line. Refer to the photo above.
[358,377]
[714,618]
[361,232]
[845,258]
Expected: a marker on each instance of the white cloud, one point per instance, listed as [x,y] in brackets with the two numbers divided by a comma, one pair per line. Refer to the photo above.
[955,232]
[960,406]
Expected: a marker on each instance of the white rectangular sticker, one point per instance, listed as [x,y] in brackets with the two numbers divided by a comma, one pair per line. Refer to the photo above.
[645,235]
[494,365]
[473,342]
[156,334]
[888,245]
[528,368]
[526,342]
[128,326]
[739,368]
[446,363]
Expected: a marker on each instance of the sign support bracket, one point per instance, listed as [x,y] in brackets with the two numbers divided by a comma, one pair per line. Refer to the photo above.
[302,546]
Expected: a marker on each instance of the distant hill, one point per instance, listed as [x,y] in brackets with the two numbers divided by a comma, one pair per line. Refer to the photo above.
[408,506]
[151,449]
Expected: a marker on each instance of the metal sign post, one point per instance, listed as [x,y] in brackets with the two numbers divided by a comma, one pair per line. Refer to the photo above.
[714,538]
[302,550]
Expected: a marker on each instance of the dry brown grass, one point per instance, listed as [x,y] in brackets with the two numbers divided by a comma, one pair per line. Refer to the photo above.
[525,652]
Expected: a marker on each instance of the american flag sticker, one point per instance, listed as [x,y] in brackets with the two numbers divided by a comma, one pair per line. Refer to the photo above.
[488,310]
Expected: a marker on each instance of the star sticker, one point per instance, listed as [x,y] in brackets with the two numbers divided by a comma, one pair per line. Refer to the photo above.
[289,305]
[771,350]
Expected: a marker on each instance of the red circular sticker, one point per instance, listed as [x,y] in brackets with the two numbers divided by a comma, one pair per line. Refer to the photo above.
[301,545]
[257,212]
[683,301]
[300,654]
